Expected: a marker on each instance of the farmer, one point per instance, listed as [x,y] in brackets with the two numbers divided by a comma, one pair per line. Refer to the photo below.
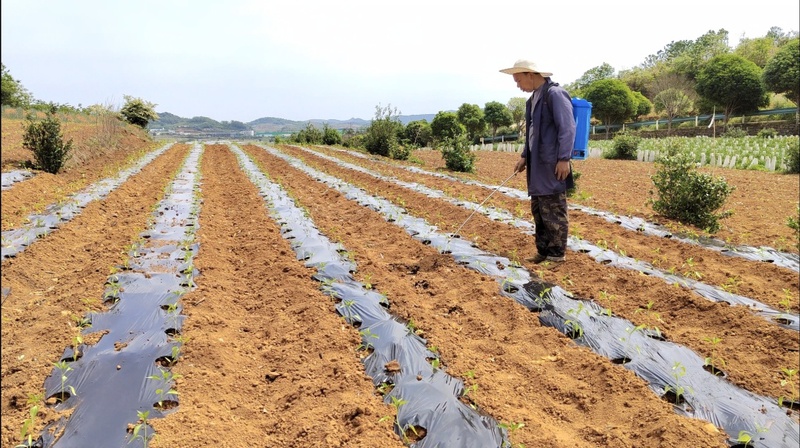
[549,138]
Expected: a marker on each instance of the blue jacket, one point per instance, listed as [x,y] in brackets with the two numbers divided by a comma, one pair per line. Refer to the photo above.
[549,137]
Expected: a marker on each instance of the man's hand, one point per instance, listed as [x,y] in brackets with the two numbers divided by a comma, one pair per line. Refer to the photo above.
[520,165]
[562,169]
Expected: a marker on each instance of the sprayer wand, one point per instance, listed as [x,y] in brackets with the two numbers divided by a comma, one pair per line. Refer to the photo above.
[479,205]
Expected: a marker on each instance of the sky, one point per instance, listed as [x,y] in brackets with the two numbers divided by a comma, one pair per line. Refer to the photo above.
[324,59]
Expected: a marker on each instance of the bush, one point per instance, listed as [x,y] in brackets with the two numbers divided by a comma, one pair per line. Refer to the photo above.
[138,111]
[624,147]
[687,195]
[400,152]
[353,141]
[792,158]
[310,135]
[734,132]
[330,136]
[381,137]
[45,140]
[457,155]
[767,132]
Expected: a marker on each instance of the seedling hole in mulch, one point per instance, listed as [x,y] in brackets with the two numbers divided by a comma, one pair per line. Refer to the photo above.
[165,405]
[414,434]
[791,405]
[57,398]
[166,361]
[671,397]
[715,371]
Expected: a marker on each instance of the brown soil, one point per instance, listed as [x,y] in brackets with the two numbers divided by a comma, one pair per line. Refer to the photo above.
[268,362]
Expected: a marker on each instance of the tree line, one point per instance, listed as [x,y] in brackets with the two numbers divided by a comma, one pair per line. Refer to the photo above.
[687,77]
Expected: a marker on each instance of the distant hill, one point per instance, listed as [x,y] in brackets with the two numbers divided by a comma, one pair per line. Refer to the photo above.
[272,124]
[167,120]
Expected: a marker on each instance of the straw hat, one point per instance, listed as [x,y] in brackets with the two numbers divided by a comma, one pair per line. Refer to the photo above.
[525,66]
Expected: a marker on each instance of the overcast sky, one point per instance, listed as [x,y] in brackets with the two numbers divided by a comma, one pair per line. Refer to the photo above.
[304,59]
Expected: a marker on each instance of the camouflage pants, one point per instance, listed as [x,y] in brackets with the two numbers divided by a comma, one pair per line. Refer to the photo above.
[552,225]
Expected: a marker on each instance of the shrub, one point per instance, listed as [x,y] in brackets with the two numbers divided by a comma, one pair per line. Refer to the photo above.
[45,140]
[767,132]
[457,155]
[330,136]
[400,152]
[310,135]
[687,195]
[353,140]
[381,136]
[792,157]
[624,147]
[138,111]
[734,132]
[380,139]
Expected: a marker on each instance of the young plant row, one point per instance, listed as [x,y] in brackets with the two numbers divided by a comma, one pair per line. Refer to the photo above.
[407,373]
[670,368]
[603,255]
[15,241]
[751,152]
[125,371]
[12,177]
[631,223]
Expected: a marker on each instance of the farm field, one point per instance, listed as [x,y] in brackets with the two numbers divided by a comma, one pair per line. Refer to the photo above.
[267,360]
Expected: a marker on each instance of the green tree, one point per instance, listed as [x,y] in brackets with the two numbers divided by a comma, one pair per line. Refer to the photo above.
[604,71]
[445,125]
[612,101]
[669,53]
[516,106]
[782,72]
[44,139]
[496,115]
[672,102]
[11,91]
[471,116]
[695,56]
[418,133]
[643,105]
[674,95]
[759,50]
[234,125]
[138,112]
[310,135]
[381,136]
[642,80]
[733,83]
[330,136]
